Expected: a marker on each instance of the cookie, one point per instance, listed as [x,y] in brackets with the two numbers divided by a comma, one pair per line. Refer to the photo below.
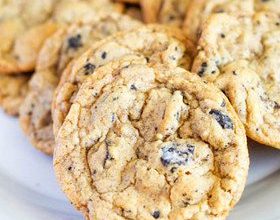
[198,11]
[65,45]
[173,12]
[13,90]
[244,63]
[27,23]
[68,11]
[28,12]
[18,18]
[159,44]
[170,12]
[151,142]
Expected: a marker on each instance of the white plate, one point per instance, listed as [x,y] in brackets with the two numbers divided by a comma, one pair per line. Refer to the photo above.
[28,190]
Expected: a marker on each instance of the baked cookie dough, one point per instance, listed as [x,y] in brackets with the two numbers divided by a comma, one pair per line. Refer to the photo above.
[159,44]
[151,142]
[23,31]
[241,56]
[199,10]
[27,23]
[63,46]
[173,12]
[13,90]
[170,12]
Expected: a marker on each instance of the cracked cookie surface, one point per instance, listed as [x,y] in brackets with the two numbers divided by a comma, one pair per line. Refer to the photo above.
[157,43]
[62,47]
[19,19]
[151,142]
[27,23]
[199,10]
[244,63]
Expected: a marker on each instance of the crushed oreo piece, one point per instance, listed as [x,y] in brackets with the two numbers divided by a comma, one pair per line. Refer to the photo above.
[203,68]
[176,154]
[224,120]
[156,214]
[75,41]
[89,68]
[223,103]
[113,117]
[133,87]
[107,155]
[104,55]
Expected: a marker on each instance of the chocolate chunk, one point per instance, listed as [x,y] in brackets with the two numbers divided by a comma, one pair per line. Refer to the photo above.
[75,41]
[178,154]
[224,120]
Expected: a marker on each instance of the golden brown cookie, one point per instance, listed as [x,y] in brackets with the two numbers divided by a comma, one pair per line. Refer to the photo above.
[27,47]
[20,20]
[199,10]
[65,45]
[173,12]
[27,23]
[245,63]
[159,44]
[151,142]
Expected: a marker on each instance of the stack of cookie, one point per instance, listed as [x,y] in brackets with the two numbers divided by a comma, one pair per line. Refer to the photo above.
[144,121]
[25,25]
